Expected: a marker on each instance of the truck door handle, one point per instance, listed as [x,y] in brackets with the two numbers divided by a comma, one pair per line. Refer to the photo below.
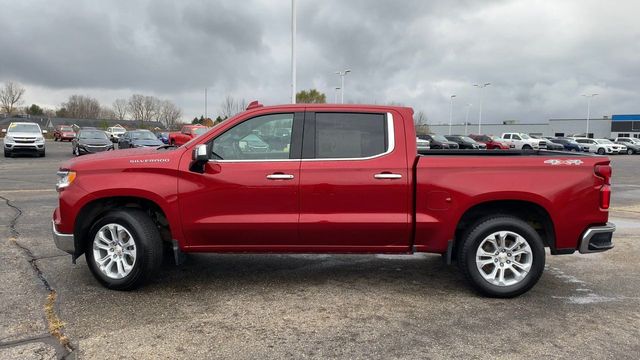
[383,176]
[280,177]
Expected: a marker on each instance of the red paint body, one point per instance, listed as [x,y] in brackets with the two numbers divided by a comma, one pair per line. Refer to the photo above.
[334,205]
[185,135]
[491,143]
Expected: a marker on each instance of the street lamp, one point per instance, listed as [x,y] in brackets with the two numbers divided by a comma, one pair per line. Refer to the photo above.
[480,112]
[466,119]
[335,97]
[451,112]
[293,51]
[342,74]
[589,97]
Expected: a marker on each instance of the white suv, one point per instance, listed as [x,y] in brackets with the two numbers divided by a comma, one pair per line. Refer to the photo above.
[23,137]
[115,132]
[601,146]
[520,141]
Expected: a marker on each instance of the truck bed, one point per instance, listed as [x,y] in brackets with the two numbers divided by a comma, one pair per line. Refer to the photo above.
[458,152]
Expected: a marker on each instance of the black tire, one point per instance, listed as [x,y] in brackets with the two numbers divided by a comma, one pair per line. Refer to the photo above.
[474,236]
[526,147]
[42,154]
[148,244]
[629,151]
[601,151]
[8,154]
[55,139]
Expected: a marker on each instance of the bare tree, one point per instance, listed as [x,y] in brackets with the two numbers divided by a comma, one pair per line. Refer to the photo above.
[81,107]
[231,106]
[107,113]
[420,118]
[169,114]
[119,108]
[143,108]
[11,96]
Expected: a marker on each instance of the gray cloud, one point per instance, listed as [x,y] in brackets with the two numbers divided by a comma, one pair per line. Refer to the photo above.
[539,56]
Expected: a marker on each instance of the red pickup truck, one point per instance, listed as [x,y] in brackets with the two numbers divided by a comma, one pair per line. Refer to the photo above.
[188,132]
[332,179]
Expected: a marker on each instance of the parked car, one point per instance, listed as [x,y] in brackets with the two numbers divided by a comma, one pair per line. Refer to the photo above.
[465,142]
[601,146]
[90,141]
[520,141]
[492,142]
[423,144]
[138,138]
[439,141]
[115,132]
[549,145]
[631,147]
[212,196]
[188,132]
[63,132]
[24,137]
[163,136]
[568,144]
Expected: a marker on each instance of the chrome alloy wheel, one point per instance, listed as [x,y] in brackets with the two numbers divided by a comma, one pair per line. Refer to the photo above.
[504,258]
[114,251]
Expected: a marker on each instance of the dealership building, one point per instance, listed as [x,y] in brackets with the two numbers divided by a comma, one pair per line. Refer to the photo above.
[604,127]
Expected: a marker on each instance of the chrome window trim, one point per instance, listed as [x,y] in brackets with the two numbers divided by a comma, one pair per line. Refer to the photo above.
[391,140]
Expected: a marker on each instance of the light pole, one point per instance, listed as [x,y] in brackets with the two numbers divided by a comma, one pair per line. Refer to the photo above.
[589,97]
[342,74]
[451,112]
[480,112]
[205,103]
[335,97]
[466,119]
[293,51]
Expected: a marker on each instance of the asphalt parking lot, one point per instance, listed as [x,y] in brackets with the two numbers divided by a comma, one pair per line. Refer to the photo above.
[304,306]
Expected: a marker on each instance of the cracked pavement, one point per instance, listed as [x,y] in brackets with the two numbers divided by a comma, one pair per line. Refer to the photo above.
[307,306]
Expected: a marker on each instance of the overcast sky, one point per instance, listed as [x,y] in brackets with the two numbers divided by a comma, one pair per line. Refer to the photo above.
[539,56]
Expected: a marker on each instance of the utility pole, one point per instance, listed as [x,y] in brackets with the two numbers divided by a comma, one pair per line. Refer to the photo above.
[205,103]
[589,97]
[466,119]
[451,112]
[293,51]
[342,74]
[480,113]
[335,97]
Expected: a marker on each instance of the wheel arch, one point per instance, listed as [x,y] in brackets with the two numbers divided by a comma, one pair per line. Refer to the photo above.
[529,211]
[100,206]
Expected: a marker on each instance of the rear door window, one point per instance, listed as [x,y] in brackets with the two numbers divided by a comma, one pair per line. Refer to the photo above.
[350,135]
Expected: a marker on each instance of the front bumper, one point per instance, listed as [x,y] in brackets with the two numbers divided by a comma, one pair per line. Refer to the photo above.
[35,146]
[64,242]
[597,239]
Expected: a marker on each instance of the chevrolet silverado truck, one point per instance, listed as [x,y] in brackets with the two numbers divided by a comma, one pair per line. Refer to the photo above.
[347,179]
[520,141]
[188,132]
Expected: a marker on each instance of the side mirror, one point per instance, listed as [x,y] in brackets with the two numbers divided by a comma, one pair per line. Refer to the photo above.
[44,132]
[4,131]
[199,157]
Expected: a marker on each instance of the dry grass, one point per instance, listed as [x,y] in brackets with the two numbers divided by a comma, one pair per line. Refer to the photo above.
[55,324]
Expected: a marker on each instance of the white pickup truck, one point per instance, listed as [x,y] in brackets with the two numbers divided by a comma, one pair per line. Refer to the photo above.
[115,132]
[520,141]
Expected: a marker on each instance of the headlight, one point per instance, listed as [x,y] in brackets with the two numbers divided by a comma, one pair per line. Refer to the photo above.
[138,145]
[40,138]
[8,138]
[65,178]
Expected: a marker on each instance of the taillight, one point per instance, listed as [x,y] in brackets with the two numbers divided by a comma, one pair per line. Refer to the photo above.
[605,196]
[604,171]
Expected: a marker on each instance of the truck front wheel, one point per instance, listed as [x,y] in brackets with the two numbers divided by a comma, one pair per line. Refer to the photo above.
[501,256]
[124,249]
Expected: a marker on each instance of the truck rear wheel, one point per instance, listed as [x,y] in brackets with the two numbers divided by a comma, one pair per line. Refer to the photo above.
[501,256]
[124,249]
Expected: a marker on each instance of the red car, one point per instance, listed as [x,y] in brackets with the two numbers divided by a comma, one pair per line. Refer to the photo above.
[492,142]
[63,132]
[318,178]
[188,132]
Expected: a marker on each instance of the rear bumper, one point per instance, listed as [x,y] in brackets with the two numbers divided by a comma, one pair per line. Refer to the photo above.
[64,242]
[597,239]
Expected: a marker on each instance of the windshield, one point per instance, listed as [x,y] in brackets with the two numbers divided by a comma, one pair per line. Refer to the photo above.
[439,138]
[603,141]
[525,136]
[66,128]
[142,135]
[496,138]
[200,131]
[26,128]
[467,139]
[92,134]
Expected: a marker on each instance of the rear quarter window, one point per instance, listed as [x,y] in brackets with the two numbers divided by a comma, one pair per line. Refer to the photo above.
[350,135]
